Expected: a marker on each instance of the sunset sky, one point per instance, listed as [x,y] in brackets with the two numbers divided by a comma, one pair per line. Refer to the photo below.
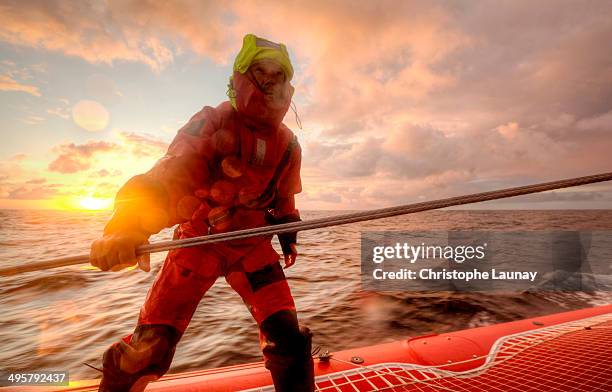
[400,101]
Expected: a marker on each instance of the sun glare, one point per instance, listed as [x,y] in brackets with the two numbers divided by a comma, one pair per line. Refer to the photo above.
[93,203]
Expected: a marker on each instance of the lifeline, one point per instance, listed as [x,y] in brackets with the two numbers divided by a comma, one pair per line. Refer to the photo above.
[444,274]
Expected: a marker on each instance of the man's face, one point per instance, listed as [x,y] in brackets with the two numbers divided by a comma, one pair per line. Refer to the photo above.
[272,80]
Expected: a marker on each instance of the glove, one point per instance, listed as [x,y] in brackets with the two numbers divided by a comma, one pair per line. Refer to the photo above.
[285,239]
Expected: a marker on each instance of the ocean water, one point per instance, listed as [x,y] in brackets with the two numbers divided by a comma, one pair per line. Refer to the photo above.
[58,319]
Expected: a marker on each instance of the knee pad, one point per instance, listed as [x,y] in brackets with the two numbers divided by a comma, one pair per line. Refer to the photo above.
[146,354]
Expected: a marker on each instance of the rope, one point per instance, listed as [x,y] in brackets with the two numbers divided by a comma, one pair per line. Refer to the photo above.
[297,116]
[336,220]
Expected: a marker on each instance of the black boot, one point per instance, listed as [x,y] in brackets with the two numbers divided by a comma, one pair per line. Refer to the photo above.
[287,351]
[147,357]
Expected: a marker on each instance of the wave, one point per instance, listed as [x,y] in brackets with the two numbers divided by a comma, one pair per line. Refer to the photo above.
[50,282]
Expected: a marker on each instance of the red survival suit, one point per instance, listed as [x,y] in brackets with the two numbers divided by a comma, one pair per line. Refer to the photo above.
[227,169]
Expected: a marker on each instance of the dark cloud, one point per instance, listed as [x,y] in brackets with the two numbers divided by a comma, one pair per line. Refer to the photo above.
[565,196]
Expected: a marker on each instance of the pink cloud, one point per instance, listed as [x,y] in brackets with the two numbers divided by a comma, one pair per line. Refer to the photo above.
[18,157]
[107,173]
[68,164]
[62,111]
[33,192]
[33,120]
[77,157]
[597,122]
[135,31]
[37,181]
[144,145]
[74,158]
[13,187]
[9,84]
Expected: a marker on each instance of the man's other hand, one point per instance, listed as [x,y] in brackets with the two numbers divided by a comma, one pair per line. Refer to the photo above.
[290,258]
[117,251]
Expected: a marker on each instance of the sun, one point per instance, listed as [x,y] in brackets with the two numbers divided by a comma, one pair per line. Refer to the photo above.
[94,203]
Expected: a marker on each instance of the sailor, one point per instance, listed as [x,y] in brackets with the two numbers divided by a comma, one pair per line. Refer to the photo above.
[232,167]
